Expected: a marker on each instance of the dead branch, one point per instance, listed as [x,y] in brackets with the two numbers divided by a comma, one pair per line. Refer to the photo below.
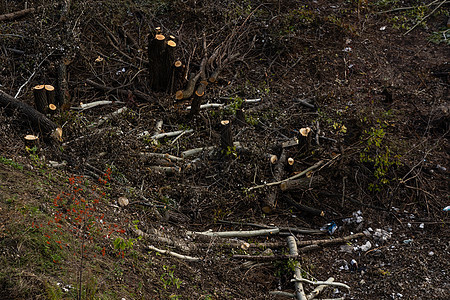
[225,234]
[338,284]
[85,106]
[162,155]
[312,168]
[159,237]
[17,14]
[111,115]
[323,242]
[174,254]
[119,91]
[277,257]
[314,293]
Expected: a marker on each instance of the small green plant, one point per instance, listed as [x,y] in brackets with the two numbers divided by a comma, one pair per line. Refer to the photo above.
[442,36]
[168,278]
[10,162]
[378,153]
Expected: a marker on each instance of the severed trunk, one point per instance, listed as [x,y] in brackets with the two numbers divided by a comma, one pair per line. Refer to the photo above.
[161,59]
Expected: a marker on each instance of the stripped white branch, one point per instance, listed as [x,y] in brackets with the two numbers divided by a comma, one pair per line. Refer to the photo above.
[314,293]
[111,115]
[169,134]
[192,152]
[84,106]
[162,155]
[177,255]
[338,284]
[248,233]
[208,105]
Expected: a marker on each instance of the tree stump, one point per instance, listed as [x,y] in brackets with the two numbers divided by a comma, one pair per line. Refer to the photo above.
[50,93]
[160,58]
[226,139]
[40,98]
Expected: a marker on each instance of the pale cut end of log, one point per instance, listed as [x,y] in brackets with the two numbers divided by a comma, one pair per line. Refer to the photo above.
[57,134]
[31,140]
[225,122]
[39,87]
[291,161]
[52,108]
[49,88]
[158,29]
[179,95]
[273,159]
[305,131]
[123,201]
[172,37]
[160,37]
[177,64]
[171,43]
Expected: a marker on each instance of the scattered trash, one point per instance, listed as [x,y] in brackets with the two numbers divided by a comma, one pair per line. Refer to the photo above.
[330,228]
[409,225]
[356,218]
[366,247]
[441,168]
[347,49]
[381,235]
[422,226]
[431,253]
[64,288]
[382,28]
[408,241]
[346,248]
[353,265]
[120,71]
[446,208]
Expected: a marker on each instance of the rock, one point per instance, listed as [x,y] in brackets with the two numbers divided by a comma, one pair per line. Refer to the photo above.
[123,201]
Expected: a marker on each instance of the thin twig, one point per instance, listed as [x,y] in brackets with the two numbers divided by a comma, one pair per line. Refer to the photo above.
[32,75]
[424,18]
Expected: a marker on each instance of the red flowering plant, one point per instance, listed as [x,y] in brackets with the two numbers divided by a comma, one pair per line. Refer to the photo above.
[78,211]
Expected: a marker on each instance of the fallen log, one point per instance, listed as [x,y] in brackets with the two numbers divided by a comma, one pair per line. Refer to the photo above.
[38,121]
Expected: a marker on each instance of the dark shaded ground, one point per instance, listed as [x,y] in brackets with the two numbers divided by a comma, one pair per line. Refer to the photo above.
[382,96]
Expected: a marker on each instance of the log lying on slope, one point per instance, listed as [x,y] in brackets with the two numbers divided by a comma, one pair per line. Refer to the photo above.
[38,121]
